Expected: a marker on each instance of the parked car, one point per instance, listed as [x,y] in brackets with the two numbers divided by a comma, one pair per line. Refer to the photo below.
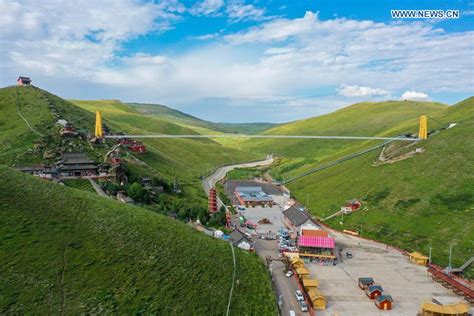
[289,274]
[304,306]
[349,254]
[299,295]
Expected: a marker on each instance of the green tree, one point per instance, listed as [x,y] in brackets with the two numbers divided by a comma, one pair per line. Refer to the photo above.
[136,191]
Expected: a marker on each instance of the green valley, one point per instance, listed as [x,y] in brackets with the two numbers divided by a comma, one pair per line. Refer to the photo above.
[194,122]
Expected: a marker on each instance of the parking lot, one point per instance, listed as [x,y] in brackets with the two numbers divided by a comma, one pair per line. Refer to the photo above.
[284,286]
[407,283]
[254,214]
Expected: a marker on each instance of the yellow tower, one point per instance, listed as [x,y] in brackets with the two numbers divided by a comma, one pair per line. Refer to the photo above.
[98,125]
[423,131]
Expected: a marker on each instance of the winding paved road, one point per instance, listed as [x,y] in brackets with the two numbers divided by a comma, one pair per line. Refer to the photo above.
[220,173]
[284,286]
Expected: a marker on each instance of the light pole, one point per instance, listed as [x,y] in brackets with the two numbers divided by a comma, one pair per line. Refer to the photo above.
[450,255]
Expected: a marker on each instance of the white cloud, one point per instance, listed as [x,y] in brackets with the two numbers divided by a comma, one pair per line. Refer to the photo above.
[207,7]
[239,12]
[209,36]
[278,50]
[282,60]
[206,37]
[358,91]
[277,30]
[391,56]
[415,96]
[75,38]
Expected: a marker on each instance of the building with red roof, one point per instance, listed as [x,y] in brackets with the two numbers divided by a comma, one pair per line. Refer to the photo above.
[316,246]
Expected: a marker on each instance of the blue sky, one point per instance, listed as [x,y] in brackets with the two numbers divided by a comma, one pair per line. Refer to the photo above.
[239,61]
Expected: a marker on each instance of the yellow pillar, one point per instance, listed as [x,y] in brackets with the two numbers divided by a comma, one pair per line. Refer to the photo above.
[98,125]
[423,131]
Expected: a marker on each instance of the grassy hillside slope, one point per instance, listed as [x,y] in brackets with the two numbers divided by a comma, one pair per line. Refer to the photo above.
[389,118]
[65,251]
[421,201]
[194,122]
[36,106]
[188,158]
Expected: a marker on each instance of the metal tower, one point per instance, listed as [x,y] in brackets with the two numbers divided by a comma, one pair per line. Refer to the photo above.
[423,131]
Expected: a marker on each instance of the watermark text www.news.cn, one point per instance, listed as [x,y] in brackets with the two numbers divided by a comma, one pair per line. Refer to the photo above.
[425,14]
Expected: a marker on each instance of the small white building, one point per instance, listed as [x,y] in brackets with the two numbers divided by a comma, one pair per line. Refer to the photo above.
[124,198]
[62,122]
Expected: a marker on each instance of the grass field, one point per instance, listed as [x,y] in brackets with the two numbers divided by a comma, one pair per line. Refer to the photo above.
[82,184]
[66,251]
[245,173]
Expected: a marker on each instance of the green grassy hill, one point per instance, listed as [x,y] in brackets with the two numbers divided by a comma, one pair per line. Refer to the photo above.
[41,110]
[186,158]
[66,251]
[421,201]
[389,118]
[194,122]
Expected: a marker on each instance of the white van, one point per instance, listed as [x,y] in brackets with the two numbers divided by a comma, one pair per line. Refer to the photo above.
[292,313]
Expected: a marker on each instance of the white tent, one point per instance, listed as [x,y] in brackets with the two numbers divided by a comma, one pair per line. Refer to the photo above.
[244,245]
[219,234]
